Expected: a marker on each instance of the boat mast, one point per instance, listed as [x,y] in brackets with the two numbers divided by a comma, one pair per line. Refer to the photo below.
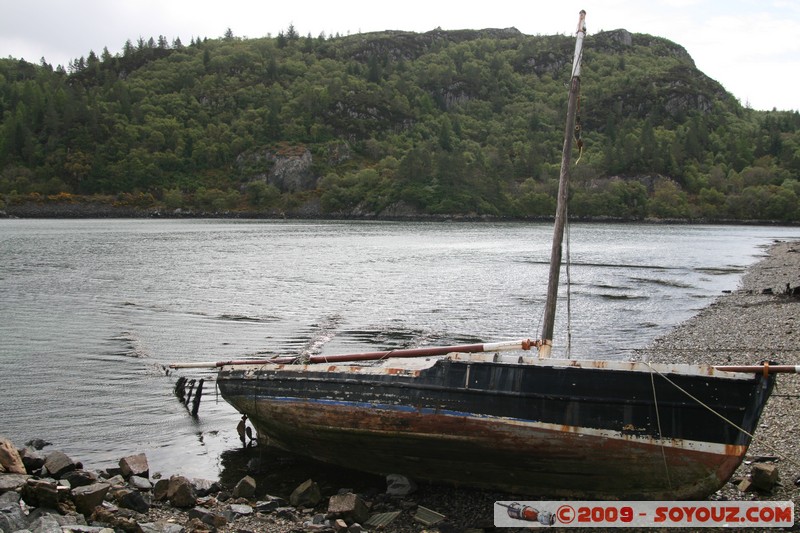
[563,190]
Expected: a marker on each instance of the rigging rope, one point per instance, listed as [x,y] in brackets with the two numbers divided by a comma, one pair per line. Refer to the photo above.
[726,420]
[660,433]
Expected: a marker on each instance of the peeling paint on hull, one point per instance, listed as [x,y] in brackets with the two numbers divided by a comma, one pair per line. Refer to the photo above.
[529,428]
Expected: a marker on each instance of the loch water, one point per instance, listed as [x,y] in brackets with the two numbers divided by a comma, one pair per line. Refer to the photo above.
[93,311]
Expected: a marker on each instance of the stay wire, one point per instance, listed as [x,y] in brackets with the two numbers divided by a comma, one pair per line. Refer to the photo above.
[726,420]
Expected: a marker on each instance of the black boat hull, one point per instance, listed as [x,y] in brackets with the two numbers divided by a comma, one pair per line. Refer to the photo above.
[574,430]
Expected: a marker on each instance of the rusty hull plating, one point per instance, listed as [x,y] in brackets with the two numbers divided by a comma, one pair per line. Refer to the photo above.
[582,429]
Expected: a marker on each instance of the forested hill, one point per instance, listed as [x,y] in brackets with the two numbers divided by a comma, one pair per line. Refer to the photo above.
[392,124]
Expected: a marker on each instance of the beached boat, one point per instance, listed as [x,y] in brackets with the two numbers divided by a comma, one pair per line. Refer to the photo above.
[496,416]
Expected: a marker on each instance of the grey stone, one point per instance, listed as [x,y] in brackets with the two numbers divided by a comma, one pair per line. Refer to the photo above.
[79,478]
[307,494]
[270,503]
[11,516]
[160,527]
[399,485]
[208,517]
[12,481]
[241,509]
[88,497]
[140,483]
[348,506]
[132,499]
[204,487]
[135,465]
[245,488]
[45,524]
[58,463]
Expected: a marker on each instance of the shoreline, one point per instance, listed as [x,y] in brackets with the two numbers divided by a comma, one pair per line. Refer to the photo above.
[77,211]
[746,326]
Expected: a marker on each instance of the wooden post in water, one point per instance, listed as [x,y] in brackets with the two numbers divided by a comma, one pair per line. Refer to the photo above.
[563,196]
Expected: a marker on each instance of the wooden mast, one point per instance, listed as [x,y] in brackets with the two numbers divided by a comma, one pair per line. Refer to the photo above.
[563,190]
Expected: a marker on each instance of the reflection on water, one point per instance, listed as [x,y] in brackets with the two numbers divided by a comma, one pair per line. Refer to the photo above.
[93,311]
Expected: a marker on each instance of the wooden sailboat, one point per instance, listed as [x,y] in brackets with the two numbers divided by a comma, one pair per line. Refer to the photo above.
[494,416]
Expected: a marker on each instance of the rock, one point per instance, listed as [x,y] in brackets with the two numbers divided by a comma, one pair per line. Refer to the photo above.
[356,528]
[140,483]
[12,481]
[45,524]
[241,509]
[270,503]
[399,485]
[79,478]
[41,493]
[307,494]
[764,476]
[133,500]
[58,463]
[180,492]
[10,459]
[339,525]
[88,497]
[160,527]
[135,465]
[204,487]
[160,490]
[348,506]
[116,481]
[11,516]
[246,488]
[37,444]
[208,517]
[32,459]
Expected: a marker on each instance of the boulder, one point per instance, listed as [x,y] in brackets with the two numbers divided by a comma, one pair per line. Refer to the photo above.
[161,489]
[79,478]
[9,482]
[45,524]
[58,463]
[180,492]
[307,494]
[10,459]
[132,499]
[348,506]
[204,487]
[41,493]
[135,465]
[32,459]
[11,516]
[246,488]
[764,476]
[88,497]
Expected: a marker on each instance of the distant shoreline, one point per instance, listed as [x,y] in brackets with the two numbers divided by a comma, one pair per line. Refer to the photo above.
[104,211]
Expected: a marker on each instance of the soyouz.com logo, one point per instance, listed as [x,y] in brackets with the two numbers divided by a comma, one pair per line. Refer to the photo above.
[643,514]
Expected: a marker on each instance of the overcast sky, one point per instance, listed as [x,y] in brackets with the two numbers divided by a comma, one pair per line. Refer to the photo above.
[750,46]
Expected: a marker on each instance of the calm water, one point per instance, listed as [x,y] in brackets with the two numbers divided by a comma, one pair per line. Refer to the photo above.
[92,310]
